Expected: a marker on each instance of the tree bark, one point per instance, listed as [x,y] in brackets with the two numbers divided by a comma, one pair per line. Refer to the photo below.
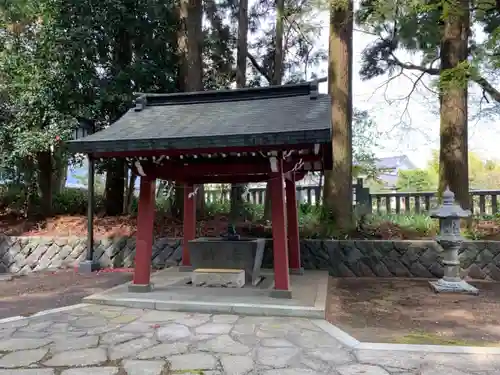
[195,71]
[337,194]
[277,77]
[278,52]
[237,207]
[453,155]
[189,51]
[115,174]
[44,161]
[129,192]
[60,173]
[115,188]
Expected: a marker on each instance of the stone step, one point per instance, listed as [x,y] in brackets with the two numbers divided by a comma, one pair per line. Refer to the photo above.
[218,270]
[223,278]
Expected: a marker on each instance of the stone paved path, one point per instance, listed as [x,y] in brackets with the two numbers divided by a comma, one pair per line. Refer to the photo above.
[103,340]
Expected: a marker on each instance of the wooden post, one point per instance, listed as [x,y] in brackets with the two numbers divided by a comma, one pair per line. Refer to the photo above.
[281,276]
[189,224]
[144,242]
[293,225]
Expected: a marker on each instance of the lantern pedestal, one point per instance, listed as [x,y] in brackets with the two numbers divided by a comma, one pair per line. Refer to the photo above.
[461,286]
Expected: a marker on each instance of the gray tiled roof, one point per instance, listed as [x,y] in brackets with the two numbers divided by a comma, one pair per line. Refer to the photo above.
[268,116]
[394,162]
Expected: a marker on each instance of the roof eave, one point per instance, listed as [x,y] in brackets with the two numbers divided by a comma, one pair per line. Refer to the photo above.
[266,139]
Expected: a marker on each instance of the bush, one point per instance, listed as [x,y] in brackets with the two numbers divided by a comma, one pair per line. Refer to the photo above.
[73,201]
[216,208]
[420,223]
[13,196]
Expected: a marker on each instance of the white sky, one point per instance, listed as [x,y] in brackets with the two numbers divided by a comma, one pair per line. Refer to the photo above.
[421,116]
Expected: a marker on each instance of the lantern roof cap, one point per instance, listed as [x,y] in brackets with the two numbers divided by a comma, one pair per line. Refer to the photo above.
[449,209]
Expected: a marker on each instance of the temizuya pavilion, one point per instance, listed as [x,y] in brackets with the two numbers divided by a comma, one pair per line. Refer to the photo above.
[273,134]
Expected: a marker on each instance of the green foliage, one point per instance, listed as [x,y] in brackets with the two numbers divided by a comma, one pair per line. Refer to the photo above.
[483,175]
[66,61]
[301,53]
[364,141]
[74,202]
[12,196]
[217,208]
[420,223]
[417,27]
[416,180]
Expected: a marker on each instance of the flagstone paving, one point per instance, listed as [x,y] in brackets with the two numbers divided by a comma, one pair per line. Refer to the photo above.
[103,340]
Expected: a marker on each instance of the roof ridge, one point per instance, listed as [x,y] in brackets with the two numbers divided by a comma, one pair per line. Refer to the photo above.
[217,96]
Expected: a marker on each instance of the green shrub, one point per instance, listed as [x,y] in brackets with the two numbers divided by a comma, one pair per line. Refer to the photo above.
[253,212]
[73,201]
[217,208]
[13,196]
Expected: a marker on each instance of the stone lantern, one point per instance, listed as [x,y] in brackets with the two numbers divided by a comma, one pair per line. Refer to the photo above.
[449,215]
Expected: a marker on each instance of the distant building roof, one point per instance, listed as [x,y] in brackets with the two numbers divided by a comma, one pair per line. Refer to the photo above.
[388,180]
[394,162]
[267,116]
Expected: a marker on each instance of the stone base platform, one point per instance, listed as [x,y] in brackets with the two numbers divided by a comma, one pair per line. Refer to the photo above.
[462,287]
[211,277]
[172,291]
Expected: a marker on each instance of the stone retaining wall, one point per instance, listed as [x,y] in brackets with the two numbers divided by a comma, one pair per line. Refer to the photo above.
[480,259]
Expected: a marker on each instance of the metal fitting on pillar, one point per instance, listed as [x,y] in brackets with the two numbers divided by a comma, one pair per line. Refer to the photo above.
[450,239]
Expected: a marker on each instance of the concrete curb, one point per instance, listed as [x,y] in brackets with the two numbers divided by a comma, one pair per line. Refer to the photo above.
[347,340]
[12,319]
[44,312]
[210,307]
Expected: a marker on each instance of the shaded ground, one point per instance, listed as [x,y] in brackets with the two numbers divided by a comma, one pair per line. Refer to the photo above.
[26,295]
[407,311]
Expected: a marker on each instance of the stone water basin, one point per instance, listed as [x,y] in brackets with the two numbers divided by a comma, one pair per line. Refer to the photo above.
[244,253]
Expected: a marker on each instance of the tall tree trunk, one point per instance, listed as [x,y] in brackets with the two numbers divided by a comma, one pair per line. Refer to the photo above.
[237,190]
[114,188]
[337,192]
[30,183]
[115,175]
[195,72]
[129,191]
[453,155]
[278,52]
[189,50]
[44,161]
[60,173]
[182,85]
[277,77]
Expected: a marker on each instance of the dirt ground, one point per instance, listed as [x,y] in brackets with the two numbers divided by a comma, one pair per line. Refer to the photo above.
[407,311]
[26,295]
[67,225]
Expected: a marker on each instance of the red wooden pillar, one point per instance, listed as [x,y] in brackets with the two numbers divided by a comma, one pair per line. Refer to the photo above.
[281,276]
[293,225]
[144,239]
[189,224]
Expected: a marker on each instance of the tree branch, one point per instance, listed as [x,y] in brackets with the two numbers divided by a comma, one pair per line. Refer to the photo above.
[259,68]
[487,87]
[481,81]
[410,66]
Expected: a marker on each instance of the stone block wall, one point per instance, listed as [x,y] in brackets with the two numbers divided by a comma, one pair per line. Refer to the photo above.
[364,258]
[372,258]
[28,254]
